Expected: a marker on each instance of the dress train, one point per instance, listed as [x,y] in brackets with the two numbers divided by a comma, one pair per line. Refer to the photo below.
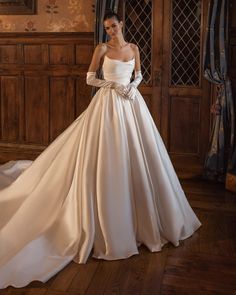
[106,185]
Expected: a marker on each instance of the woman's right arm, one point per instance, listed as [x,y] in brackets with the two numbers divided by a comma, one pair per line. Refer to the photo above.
[99,52]
[91,79]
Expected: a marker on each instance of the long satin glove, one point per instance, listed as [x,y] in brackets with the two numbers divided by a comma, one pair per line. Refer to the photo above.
[132,87]
[93,81]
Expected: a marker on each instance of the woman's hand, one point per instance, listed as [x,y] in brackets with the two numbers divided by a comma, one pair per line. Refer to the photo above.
[127,92]
[131,92]
[120,89]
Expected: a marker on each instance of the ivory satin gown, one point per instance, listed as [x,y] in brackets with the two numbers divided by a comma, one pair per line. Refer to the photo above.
[105,185]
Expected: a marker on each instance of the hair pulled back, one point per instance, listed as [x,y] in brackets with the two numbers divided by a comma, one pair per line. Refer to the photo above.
[109,13]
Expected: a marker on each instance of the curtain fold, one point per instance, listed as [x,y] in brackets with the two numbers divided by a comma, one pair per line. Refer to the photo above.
[220,160]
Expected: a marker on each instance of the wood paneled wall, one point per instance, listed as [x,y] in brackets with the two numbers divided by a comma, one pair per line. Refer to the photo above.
[42,89]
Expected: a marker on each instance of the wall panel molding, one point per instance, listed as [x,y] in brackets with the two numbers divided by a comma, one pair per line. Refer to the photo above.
[42,89]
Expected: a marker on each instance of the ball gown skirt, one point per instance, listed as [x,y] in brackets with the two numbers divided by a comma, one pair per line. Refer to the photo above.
[106,185]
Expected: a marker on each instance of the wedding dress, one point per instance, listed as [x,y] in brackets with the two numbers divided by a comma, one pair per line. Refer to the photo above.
[105,185]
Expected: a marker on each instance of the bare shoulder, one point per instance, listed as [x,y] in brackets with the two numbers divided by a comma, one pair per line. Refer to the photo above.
[100,49]
[134,47]
[98,54]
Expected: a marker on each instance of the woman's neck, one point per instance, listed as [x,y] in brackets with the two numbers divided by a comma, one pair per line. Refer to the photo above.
[118,42]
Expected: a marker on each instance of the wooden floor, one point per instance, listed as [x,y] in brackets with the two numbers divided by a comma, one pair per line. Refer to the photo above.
[202,264]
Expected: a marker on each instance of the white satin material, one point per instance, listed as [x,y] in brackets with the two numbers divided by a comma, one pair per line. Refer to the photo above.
[105,185]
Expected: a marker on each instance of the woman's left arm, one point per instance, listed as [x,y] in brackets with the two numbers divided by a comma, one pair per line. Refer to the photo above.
[137,58]
[131,93]
[137,68]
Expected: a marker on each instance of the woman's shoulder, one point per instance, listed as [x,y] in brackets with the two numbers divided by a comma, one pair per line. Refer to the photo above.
[101,47]
[133,46]
[135,50]
[100,50]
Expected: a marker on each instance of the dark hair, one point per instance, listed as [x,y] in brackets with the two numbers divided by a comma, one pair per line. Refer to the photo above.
[109,13]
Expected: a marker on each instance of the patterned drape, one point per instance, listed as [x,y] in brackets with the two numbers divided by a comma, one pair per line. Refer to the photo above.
[219,160]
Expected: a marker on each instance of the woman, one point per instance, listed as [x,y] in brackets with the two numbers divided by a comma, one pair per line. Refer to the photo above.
[105,185]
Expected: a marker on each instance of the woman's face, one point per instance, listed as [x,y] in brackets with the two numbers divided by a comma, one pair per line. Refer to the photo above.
[113,27]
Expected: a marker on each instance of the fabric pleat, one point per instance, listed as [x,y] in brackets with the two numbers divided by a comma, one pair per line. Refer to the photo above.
[104,186]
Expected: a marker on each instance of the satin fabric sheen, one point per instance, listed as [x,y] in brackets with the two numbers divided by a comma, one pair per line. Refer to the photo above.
[105,185]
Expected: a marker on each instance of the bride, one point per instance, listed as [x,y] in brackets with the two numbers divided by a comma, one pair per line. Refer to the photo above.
[105,185]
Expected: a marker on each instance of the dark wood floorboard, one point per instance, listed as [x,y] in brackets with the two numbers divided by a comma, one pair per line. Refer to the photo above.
[202,264]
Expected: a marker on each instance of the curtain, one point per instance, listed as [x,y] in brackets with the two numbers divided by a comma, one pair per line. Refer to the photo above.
[220,160]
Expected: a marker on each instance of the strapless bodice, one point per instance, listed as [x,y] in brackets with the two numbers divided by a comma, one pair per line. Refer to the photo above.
[117,70]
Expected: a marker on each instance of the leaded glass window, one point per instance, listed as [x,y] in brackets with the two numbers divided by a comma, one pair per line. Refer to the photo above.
[186,20]
[138,29]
